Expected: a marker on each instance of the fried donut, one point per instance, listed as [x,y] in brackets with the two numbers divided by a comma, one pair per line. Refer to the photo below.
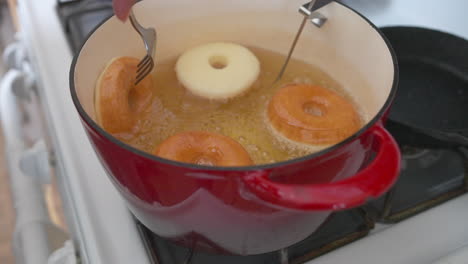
[312,114]
[118,100]
[204,148]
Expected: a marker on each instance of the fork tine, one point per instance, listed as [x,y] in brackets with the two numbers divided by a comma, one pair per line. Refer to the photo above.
[143,61]
[144,65]
[137,81]
[148,35]
[140,76]
[145,70]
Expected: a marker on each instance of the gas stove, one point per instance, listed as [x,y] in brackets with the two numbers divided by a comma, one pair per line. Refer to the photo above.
[420,220]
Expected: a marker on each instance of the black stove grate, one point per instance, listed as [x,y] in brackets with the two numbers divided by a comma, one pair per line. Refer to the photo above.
[428,178]
[80,17]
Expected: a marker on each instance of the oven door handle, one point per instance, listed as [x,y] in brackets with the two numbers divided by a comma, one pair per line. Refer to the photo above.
[33,228]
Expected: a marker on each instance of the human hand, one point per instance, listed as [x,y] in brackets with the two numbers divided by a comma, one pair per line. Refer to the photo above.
[122,8]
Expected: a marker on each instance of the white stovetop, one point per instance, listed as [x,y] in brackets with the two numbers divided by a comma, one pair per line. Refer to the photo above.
[102,226]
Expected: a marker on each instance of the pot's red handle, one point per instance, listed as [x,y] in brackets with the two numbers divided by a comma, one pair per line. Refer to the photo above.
[372,181]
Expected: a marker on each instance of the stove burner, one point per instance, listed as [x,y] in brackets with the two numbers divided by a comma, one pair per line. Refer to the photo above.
[429,177]
[409,152]
[340,229]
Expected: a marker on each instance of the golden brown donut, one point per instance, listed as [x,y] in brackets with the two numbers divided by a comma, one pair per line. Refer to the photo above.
[118,100]
[312,114]
[204,148]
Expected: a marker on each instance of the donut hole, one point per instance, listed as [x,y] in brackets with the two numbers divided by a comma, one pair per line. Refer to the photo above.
[138,98]
[218,62]
[314,108]
[133,99]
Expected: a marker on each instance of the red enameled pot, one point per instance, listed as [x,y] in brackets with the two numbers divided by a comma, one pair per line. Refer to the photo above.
[249,210]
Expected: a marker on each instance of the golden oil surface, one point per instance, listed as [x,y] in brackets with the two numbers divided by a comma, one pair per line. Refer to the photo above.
[174,110]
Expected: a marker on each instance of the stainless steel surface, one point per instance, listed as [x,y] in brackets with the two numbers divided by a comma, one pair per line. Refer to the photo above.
[315,17]
[309,8]
[318,19]
[148,35]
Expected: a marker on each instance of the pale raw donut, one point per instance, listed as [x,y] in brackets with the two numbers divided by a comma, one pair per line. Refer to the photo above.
[218,70]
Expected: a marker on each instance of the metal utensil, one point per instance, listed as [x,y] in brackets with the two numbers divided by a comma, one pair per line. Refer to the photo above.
[316,19]
[148,36]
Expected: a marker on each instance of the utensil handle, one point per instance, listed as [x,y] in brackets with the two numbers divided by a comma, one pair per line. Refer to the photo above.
[307,9]
[372,181]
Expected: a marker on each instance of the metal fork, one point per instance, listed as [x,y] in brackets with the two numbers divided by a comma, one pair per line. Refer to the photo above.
[148,36]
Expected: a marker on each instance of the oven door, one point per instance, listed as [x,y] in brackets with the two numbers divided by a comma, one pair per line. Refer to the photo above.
[35,235]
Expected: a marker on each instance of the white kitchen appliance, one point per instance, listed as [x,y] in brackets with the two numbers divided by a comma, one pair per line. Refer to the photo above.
[102,230]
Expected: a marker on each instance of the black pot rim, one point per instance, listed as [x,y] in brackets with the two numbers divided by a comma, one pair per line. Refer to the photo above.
[323,152]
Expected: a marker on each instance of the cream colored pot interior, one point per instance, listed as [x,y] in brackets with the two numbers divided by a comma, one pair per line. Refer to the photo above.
[346,47]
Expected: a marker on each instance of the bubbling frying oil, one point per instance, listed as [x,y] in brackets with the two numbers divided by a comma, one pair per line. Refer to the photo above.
[175,110]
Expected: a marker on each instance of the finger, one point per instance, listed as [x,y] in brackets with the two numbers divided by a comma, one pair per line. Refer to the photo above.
[122,8]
